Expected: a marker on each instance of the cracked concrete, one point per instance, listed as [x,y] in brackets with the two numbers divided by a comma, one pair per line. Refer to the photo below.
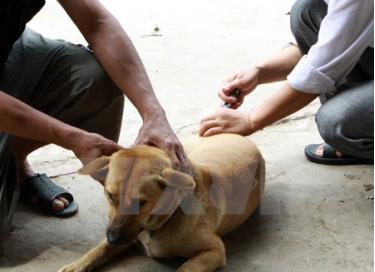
[312,217]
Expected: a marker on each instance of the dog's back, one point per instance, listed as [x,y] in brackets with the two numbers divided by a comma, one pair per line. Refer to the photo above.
[235,170]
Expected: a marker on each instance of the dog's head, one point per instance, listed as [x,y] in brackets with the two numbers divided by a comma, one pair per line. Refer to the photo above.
[142,189]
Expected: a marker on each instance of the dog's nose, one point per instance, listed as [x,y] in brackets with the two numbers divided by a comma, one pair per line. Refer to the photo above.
[114,237]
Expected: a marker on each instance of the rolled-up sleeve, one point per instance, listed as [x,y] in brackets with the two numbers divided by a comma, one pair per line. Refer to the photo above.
[345,33]
[307,78]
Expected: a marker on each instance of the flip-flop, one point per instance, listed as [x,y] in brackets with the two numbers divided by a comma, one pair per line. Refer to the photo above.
[330,157]
[46,191]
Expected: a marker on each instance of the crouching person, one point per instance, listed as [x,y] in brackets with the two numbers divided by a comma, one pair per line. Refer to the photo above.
[52,91]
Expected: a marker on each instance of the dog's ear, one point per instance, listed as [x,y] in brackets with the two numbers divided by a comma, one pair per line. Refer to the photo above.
[178,180]
[98,169]
[177,186]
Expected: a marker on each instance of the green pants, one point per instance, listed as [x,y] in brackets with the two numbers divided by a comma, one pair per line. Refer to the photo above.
[64,81]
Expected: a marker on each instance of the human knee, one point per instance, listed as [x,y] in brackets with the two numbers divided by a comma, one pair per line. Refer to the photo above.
[298,14]
[305,20]
[93,76]
[329,124]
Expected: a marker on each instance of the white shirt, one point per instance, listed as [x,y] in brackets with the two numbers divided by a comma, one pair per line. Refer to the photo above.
[345,32]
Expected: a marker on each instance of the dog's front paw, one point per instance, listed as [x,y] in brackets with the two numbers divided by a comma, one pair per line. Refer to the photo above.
[74,267]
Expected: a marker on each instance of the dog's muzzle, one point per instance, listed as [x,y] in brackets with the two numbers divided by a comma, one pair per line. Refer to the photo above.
[117,236]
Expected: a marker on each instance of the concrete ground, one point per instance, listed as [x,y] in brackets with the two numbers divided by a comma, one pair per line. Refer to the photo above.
[312,217]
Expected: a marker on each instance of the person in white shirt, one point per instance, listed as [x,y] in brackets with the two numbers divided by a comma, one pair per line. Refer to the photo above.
[333,59]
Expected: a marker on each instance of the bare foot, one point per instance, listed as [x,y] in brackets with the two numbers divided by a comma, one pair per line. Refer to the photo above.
[25,171]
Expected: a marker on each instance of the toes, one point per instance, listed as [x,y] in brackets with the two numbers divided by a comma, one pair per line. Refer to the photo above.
[58,205]
[64,200]
[319,150]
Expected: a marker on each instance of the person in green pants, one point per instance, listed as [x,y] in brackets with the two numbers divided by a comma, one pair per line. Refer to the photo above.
[52,91]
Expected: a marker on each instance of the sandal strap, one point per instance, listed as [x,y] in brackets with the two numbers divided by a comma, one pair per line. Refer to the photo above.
[329,152]
[44,189]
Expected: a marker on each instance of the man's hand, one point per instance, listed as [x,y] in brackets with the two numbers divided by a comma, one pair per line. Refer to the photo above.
[227,121]
[157,132]
[89,146]
[246,81]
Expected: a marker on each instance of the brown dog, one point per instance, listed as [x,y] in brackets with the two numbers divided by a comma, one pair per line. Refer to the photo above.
[175,214]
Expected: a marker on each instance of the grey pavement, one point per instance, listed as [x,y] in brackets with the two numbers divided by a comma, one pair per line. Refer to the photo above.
[312,217]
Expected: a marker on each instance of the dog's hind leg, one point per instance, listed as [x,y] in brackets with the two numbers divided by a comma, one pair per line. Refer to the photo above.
[95,257]
[208,259]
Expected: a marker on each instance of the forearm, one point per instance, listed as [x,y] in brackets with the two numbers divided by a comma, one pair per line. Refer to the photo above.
[278,66]
[279,105]
[116,53]
[21,120]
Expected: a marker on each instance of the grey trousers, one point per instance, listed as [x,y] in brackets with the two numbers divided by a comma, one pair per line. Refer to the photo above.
[64,81]
[346,118]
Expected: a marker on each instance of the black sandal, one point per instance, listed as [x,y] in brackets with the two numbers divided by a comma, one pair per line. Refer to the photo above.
[330,157]
[46,191]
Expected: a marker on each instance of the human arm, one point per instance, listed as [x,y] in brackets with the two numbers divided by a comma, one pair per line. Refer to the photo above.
[19,119]
[117,54]
[345,33]
[277,106]
[281,104]
[274,68]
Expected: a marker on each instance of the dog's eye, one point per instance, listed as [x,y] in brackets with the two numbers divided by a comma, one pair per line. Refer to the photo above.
[142,203]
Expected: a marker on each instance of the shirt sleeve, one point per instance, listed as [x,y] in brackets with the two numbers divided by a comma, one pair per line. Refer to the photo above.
[345,33]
